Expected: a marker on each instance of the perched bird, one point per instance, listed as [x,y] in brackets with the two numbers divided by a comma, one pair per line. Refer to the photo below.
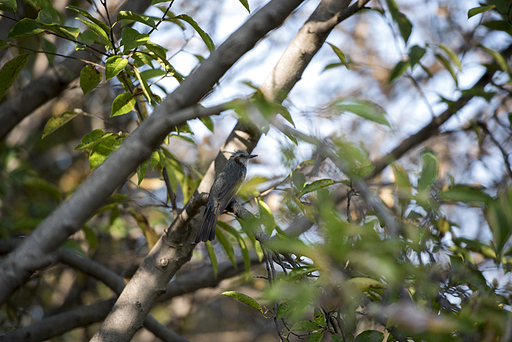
[224,188]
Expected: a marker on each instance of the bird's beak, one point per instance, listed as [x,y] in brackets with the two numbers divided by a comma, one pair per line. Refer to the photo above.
[252,156]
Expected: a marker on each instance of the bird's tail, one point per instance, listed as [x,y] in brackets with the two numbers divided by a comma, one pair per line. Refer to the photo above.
[207,230]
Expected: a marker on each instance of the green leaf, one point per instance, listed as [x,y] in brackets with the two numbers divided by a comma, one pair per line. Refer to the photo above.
[114,66]
[103,147]
[4,44]
[91,237]
[283,310]
[213,257]
[365,284]
[465,194]
[204,36]
[370,336]
[228,247]
[340,54]
[245,3]
[150,73]
[123,104]
[65,31]
[74,247]
[244,299]
[128,15]
[498,57]
[477,10]
[479,91]
[499,25]
[300,272]
[141,172]
[25,27]
[44,186]
[266,217]
[10,72]
[48,47]
[207,121]
[404,25]
[89,78]
[316,185]
[86,14]
[452,55]
[132,38]
[58,121]
[305,326]
[90,139]
[98,30]
[143,84]
[446,63]
[429,171]
[298,181]
[315,337]
[416,53]
[366,109]
[398,70]
[11,4]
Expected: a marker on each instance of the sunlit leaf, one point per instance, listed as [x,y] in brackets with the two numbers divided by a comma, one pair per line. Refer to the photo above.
[340,54]
[114,65]
[244,299]
[365,284]
[58,121]
[132,38]
[452,55]
[306,326]
[128,15]
[122,104]
[448,66]
[464,194]
[89,78]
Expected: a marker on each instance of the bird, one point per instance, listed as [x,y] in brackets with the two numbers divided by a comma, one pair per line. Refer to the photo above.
[224,188]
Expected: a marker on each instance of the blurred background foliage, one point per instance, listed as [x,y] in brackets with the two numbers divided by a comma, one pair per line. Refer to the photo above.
[440,272]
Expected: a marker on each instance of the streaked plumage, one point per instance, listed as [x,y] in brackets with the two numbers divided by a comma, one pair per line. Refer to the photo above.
[224,188]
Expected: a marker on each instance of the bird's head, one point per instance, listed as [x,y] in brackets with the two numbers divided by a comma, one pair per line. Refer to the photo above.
[242,157]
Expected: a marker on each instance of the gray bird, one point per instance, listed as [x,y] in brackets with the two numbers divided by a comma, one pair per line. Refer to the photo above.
[224,188]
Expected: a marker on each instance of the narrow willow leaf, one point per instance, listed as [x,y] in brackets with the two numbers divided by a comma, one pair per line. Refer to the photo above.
[316,185]
[123,104]
[477,10]
[143,84]
[465,194]
[446,63]
[204,36]
[213,257]
[98,30]
[365,109]
[89,78]
[114,66]
[58,121]
[144,19]
[228,247]
[340,54]
[241,297]
[398,70]
[416,53]
[452,55]
[498,57]
[245,3]
[10,72]
[141,172]
[86,14]
[404,25]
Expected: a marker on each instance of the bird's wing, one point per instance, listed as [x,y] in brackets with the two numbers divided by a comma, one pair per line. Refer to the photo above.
[228,189]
